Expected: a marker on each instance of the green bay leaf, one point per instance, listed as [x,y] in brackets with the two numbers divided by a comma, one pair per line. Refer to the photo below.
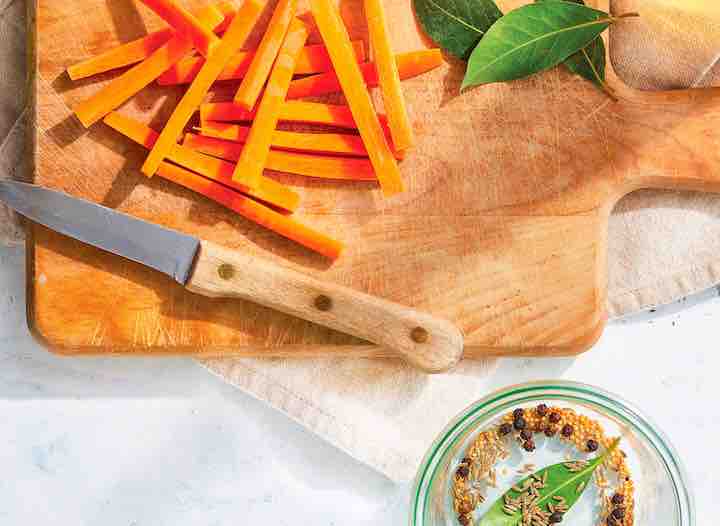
[589,62]
[456,25]
[560,482]
[531,39]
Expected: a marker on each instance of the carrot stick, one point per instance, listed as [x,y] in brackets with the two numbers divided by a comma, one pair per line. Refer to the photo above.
[236,34]
[330,143]
[318,166]
[338,143]
[137,50]
[312,59]
[291,111]
[185,23]
[409,65]
[315,59]
[228,9]
[213,113]
[252,210]
[335,36]
[121,56]
[135,79]
[389,78]
[259,71]
[270,191]
[252,161]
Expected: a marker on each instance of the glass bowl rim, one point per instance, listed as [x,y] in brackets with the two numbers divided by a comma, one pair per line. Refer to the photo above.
[559,389]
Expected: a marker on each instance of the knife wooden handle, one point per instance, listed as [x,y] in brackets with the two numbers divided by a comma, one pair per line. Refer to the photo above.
[434,345]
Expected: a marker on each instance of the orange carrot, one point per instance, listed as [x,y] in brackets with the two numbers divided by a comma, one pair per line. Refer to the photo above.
[228,9]
[252,161]
[312,59]
[315,59]
[185,23]
[252,210]
[292,111]
[337,41]
[135,79]
[389,78]
[270,191]
[335,115]
[137,50]
[259,71]
[319,166]
[330,143]
[409,65]
[121,56]
[338,143]
[236,34]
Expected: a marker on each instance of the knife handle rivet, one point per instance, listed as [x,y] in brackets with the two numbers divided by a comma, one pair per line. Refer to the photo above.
[419,335]
[226,271]
[323,303]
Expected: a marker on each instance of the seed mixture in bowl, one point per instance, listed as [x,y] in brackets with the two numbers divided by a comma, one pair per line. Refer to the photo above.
[565,434]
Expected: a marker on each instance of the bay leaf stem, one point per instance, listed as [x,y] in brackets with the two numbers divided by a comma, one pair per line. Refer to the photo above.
[628,15]
[608,90]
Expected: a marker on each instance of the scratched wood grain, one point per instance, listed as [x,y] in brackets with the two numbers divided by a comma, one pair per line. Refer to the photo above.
[502,230]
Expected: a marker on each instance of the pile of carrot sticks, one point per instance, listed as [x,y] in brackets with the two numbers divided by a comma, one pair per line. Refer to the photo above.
[225,157]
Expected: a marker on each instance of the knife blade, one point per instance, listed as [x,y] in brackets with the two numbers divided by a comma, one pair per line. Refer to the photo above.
[430,343]
[168,251]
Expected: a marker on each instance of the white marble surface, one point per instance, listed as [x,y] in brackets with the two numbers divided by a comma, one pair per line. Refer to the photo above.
[161,442]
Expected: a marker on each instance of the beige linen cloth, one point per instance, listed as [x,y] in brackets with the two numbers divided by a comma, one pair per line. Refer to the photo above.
[663,245]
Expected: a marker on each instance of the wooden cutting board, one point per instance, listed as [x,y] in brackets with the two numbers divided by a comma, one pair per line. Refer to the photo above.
[503,228]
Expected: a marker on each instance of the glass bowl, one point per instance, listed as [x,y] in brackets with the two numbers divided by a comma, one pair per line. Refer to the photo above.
[661,494]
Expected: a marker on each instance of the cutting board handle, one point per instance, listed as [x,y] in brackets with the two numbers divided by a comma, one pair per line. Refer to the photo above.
[434,345]
[662,140]
[672,152]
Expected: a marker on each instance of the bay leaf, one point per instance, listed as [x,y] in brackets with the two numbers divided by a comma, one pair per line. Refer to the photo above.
[560,481]
[533,38]
[589,62]
[456,25]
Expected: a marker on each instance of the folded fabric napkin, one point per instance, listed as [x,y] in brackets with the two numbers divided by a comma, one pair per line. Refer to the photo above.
[386,414]
[13,113]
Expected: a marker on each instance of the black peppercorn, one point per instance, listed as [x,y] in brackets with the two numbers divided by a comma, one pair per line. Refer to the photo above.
[526,434]
[505,429]
[464,519]
[541,410]
[556,517]
[592,445]
[550,432]
[529,446]
[618,499]
[462,472]
[518,413]
[465,506]
[554,418]
[519,424]
[618,513]
[567,430]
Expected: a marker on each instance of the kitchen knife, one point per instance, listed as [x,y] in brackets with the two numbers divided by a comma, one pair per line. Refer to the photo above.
[432,344]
